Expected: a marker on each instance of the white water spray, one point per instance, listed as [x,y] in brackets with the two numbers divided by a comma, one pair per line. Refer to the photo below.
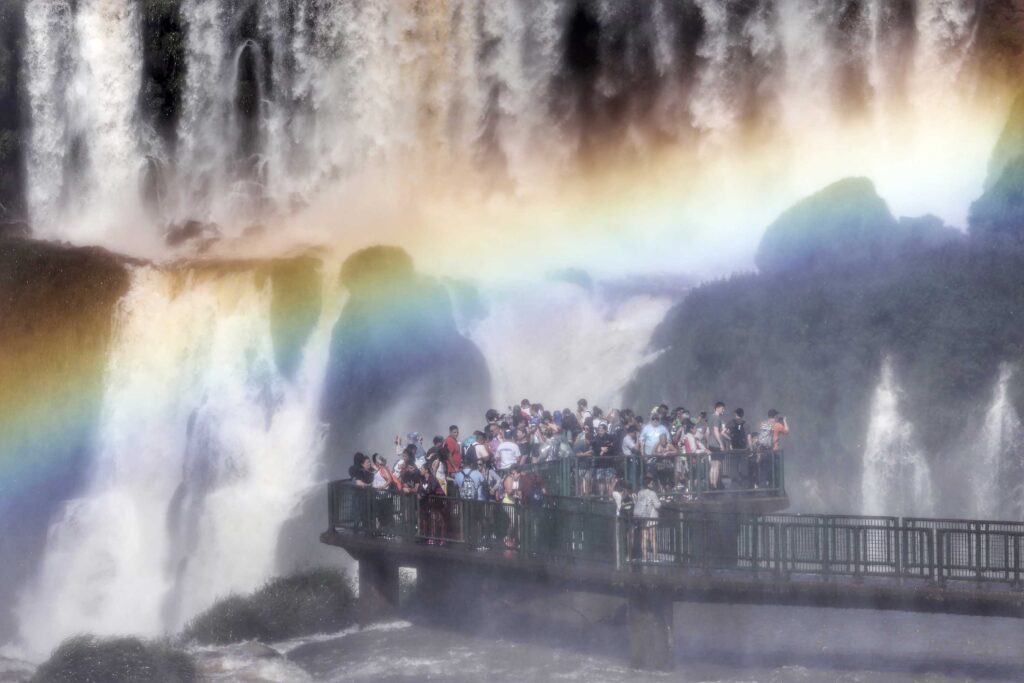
[558,342]
[998,456]
[400,96]
[895,477]
[203,452]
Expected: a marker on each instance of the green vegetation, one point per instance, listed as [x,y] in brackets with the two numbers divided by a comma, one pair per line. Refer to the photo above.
[88,659]
[315,601]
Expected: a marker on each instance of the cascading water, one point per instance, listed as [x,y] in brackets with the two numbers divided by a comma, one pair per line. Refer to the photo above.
[558,342]
[995,467]
[289,107]
[895,477]
[84,69]
[204,450]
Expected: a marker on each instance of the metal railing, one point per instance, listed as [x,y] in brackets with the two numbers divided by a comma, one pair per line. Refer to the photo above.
[744,473]
[775,545]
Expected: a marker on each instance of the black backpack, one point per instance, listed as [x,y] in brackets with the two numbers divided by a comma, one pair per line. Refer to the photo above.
[738,432]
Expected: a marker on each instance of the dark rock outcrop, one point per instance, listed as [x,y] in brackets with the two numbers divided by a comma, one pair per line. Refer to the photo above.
[56,312]
[116,660]
[847,221]
[396,345]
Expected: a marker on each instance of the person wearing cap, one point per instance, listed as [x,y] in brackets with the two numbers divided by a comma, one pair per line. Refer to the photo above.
[651,434]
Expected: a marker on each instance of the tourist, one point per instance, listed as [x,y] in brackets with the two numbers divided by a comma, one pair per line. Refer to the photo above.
[383,478]
[493,440]
[601,446]
[664,446]
[718,443]
[523,441]
[738,435]
[432,507]
[469,482]
[411,480]
[630,449]
[741,440]
[531,487]
[477,448]
[361,471]
[440,468]
[492,482]
[780,429]
[570,425]
[629,441]
[507,454]
[645,511]
[651,434]
[582,411]
[451,443]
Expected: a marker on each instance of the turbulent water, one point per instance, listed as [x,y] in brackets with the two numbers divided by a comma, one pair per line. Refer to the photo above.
[713,643]
[895,476]
[203,452]
[291,109]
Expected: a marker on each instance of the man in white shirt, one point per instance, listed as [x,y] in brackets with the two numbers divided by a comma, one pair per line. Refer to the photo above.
[651,434]
[507,454]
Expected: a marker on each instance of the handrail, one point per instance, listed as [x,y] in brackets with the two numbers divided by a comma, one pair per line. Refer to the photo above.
[750,473]
[777,545]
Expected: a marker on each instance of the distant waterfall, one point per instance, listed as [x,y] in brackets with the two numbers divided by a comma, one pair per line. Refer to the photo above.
[558,342]
[998,457]
[204,449]
[895,477]
[287,103]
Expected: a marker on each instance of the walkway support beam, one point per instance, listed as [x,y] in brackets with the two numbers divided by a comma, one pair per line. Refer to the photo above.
[378,590]
[650,631]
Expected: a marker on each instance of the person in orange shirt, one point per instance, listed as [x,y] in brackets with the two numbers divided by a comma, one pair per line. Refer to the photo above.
[778,429]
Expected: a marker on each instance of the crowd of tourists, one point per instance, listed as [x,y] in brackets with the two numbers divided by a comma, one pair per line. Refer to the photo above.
[494,462]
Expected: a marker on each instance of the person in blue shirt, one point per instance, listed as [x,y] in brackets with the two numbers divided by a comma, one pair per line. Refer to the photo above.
[651,434]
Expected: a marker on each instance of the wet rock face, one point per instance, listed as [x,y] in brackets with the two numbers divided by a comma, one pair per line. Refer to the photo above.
[56,311]
[12,173]
[396,344]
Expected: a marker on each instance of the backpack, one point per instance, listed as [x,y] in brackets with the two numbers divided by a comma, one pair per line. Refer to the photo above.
[738,434]
[469,489]
[765,436]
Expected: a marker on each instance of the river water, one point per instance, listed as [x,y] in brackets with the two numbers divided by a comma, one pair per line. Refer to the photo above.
[581,639]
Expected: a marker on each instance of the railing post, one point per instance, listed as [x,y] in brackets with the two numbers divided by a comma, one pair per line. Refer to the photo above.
[978,536]
[332,506]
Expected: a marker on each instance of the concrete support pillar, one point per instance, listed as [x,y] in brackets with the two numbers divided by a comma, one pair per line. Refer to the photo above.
[650,631]
[378,590]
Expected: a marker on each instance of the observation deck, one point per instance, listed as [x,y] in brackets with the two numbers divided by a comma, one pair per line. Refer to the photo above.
[687,554]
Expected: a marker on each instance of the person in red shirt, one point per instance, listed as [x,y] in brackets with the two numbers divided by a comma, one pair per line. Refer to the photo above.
[454,450]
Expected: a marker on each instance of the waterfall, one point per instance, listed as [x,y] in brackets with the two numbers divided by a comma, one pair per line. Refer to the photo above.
[895,477]
[204,450]
[558,342]
[84,72]
[292,105]
[995,466]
